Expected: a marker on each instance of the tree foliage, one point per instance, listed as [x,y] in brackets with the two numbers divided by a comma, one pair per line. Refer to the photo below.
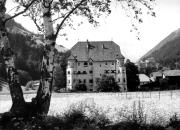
[27,58]
[60,70]
[64,12]
[132,76]
[107,84]
[80,87]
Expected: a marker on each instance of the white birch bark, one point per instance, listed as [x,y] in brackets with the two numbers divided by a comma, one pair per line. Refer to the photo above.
[45,88]
[8,56]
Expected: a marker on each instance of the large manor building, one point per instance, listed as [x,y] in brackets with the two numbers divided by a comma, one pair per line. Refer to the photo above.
[90,60]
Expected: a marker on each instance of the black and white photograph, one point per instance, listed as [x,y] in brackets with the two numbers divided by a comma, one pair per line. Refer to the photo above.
[89,64]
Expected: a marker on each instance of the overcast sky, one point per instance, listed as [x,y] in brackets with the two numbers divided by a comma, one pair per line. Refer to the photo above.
[116,27]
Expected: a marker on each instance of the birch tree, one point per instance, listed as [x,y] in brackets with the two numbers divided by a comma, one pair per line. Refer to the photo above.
[18,102]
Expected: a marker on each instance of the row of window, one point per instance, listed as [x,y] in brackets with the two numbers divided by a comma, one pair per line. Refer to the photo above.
[90,72]
[84,81]
[124,80]
[90,63]
[81,81]
[80,72]
[113,71]
[91,80]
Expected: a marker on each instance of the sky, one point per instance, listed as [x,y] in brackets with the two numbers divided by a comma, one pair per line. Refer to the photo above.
[116,27]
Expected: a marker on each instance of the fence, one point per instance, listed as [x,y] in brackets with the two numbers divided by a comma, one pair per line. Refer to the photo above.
[149,94]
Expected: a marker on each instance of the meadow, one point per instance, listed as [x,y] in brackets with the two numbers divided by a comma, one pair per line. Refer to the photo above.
[156,107]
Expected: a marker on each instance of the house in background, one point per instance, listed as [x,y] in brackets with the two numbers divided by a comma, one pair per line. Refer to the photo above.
[173,77]
[156,76]
[92,59]
[144,79]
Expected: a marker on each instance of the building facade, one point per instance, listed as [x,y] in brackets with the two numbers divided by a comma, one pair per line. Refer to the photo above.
[90,60]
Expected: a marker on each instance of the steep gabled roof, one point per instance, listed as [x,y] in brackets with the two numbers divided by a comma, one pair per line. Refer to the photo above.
[156,74]
[144,78]
[71,57]
[96,50]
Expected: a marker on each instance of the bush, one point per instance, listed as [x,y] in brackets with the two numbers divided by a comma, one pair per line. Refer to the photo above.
[81,116]
[174,122]
[164,84]
[80,87]
[135,120]
[107,84]
[85,116]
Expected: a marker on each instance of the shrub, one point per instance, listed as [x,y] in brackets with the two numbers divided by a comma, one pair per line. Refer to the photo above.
[84,116]
[174,122]
[107,84]
[137,116]
[135,120]
[80,87]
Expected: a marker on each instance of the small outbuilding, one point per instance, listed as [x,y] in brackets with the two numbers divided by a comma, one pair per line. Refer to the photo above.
[173,77]
[144,79]
[156,76]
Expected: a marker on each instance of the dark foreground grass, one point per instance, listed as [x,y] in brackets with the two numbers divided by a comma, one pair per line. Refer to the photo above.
[84,117]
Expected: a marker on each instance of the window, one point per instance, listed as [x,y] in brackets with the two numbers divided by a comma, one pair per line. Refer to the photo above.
[106,63]
[85,64]
[119,80]
[90,71]
[100,74]
[69,81]
[91,81]
[112,63]
[79,81]
[97,80]
[79,72]
[84,72]
[106,71]
[118,71]
[90,63]
[113,71]
[78,63]
[68,72]
[84,80]
[124,80]
[100,65]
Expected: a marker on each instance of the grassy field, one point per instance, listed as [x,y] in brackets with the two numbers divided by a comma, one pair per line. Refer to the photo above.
[156,106]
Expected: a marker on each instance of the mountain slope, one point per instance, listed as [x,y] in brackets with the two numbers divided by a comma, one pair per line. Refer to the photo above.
[15,28]
[167,52]
[28,53]
[170,38]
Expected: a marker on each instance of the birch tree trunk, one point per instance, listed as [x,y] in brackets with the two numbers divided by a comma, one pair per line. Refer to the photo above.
[45,89]
[41,103]
[8,56]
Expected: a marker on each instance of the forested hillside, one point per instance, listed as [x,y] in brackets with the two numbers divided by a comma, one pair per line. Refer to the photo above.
[27,58]
[167,52]
[28,55]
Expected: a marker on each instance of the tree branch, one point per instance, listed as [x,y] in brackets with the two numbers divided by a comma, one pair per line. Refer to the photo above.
[26,8]
[62,22]
[36,23]
[59,17]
